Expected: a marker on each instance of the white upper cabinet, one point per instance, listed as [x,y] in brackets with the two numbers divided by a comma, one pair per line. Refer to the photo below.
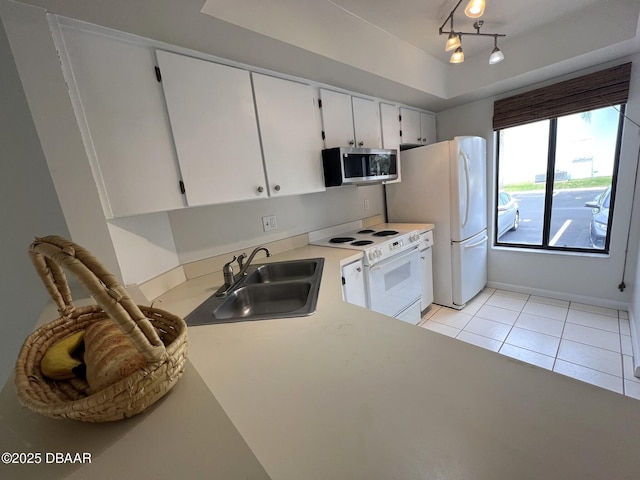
[120,109]
[410,122]
[337,119]
[349,121]
[290,130]
[214,128]
[428,128]
[390,122]
[418,128]
[366,121]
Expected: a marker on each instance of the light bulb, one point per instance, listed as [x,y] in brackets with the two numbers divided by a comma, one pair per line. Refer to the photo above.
[458,56]
[496,56]
[453,42]
[475,9]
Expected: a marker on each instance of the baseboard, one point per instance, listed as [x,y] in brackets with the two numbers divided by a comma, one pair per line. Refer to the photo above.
[598,302]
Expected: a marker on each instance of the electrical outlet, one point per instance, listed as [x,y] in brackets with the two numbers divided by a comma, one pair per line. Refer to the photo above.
[269,223]
[366,204]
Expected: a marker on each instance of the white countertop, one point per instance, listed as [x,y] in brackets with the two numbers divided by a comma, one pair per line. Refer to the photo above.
[347,393]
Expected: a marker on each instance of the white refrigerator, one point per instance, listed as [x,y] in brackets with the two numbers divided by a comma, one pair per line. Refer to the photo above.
[445,184]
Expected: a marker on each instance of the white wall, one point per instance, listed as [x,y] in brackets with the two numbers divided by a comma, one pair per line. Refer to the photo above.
[29,207]
[582,278]
[206,231]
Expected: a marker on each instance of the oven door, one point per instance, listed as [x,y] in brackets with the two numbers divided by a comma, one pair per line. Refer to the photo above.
[394,284]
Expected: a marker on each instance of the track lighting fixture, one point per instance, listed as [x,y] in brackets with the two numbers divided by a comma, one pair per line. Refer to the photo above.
[474,9]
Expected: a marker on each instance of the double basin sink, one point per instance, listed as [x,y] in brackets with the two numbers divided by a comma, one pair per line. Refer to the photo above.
[269,290]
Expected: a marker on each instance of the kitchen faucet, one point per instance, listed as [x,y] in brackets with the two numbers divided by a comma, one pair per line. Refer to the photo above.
[244,266]
[231,280]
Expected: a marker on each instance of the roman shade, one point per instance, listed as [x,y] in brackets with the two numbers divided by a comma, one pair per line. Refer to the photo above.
[595,90]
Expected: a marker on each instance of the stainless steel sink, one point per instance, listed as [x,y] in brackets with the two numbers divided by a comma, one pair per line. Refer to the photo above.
[283,271]
[270,290]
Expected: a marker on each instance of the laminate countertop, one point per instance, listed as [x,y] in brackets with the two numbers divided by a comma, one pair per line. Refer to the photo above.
[345,393]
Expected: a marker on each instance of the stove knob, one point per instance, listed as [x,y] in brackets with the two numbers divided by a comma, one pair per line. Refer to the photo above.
[379,253]
[372,255]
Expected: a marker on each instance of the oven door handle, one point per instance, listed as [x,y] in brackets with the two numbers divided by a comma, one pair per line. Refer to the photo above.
[384,263]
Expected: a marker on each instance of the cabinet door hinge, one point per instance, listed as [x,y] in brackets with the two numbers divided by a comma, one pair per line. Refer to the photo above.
[400,133]
[182,189]
[319,103]
[399,118]
[323,136]
[158,74]
[344,282]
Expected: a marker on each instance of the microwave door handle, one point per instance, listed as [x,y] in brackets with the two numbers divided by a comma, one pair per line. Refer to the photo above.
[381,265]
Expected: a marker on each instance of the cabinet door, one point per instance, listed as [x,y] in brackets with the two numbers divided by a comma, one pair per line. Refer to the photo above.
[390,122]
[427,128]
[366,121]
[337,119]
[426,262]
[121,109]
[214,128]
[410,122]
[353,290]
[290,132]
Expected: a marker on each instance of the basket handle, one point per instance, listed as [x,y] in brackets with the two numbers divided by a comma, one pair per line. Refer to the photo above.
[49,254]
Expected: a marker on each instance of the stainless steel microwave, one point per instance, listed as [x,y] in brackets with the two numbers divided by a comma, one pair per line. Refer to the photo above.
[359,166]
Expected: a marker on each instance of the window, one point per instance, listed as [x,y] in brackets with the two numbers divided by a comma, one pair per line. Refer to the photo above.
[557,160]
[555,181]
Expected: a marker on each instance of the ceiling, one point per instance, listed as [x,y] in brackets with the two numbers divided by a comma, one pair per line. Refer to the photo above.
[399,40]
[417,21]
[385,49]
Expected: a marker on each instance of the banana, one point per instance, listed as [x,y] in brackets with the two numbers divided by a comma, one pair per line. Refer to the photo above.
[58,362]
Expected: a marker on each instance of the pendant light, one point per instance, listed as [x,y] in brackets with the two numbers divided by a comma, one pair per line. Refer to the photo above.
[458,56]
[496,54]
[475,9]
[453,42]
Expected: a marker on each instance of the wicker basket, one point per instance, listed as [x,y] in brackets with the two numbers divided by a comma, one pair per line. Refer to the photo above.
[160,336]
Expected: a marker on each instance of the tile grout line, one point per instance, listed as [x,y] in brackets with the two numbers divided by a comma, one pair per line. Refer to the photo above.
[564,325]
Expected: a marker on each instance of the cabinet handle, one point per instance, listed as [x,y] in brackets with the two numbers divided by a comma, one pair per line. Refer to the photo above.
[277,188]
[351,142]
[360,144]
[358,269]
[418,138]
[424,139]
[260,189]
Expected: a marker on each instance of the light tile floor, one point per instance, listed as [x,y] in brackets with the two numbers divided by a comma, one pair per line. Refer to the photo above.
[589,343]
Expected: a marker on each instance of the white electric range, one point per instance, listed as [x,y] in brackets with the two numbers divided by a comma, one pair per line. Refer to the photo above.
[391,262]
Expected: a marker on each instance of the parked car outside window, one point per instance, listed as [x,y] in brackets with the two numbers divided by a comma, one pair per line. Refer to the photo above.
[599,218]
[508,213]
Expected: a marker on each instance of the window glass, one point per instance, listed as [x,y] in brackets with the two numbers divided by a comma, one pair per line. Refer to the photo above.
[569,209]
[522,173]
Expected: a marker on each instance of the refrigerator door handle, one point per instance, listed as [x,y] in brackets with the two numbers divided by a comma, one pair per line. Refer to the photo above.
[466,185]
[480,242]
